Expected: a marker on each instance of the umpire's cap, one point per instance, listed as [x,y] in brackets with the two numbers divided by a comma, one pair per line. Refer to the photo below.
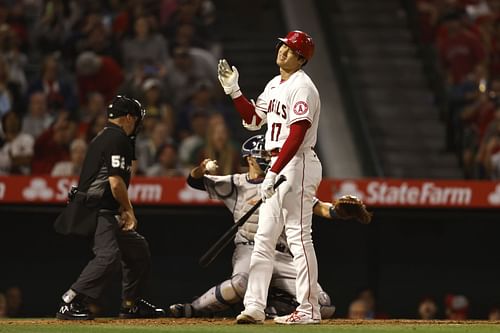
[123,105]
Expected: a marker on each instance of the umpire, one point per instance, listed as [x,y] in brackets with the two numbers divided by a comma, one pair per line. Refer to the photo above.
[100,207]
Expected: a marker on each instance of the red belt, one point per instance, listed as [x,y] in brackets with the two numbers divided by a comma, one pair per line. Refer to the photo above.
[274,152]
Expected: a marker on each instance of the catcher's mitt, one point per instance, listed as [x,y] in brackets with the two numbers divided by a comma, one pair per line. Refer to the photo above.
[351,207]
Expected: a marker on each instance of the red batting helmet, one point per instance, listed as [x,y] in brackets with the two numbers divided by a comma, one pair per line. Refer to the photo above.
[299,42]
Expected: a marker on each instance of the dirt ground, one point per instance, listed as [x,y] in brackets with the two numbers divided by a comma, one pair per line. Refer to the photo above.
[230,321]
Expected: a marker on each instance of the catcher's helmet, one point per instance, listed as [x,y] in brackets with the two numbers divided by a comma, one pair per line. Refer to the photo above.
[254,147]
[299,42]
[123,105]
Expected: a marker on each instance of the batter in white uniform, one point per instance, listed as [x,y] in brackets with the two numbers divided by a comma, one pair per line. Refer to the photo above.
[239,192]
[290,105]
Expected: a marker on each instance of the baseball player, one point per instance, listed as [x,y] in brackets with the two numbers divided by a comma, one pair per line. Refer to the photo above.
[100,207]
[290,105]
[239,192]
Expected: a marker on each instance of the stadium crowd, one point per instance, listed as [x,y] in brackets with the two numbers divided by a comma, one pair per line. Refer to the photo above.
[62,62]
[465,35]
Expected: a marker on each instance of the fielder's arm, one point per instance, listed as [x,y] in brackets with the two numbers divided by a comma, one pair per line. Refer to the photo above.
[322,209]
[195,178]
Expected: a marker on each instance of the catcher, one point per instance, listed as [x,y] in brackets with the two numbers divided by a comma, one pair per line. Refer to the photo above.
[239,192]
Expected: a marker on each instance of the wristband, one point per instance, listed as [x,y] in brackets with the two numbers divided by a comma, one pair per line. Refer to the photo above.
[333,213]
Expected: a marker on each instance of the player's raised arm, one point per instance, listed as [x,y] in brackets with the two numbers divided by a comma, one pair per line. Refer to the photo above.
[228,77]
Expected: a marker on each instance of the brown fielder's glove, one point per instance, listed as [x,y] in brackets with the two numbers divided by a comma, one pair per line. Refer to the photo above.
[351,207]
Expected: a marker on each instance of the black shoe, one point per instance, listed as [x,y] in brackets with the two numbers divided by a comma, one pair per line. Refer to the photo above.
[141,309]
[181,310]
[74,311]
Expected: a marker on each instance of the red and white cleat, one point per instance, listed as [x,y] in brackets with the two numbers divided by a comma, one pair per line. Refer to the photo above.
[296,318]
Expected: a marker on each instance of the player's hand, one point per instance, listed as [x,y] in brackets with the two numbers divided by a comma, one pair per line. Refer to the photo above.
[129,222]
[228,77]
[267,187]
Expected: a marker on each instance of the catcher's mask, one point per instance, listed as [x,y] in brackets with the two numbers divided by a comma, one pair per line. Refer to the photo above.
[254,147]
[123,105]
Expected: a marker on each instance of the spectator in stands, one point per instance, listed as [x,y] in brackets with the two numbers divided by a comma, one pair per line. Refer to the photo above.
[9,91]
[195,140]
[58,92]
[147,150]
[96,36]
[183,72]
[3,306]
[16,148]
[494,56]
[95,126]
[367,295]
[490,134]
[198,14]
[93,108]
[152,101]
[494,314]
[97,73]
[77,150]
[475,120]
[358,310]
[428,15]
[38,118]
[201,101]
[491,158]
[145,48]
[14,298]
[427,309]
[51,28]
[15,59]
[218,146]
[167,163]
[52,145]
[456,307]
[460,50]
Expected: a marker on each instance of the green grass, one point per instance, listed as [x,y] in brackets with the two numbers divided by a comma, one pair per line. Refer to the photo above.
[19,326]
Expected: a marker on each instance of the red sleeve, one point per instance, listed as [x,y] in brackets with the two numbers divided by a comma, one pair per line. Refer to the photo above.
[245,109]
[292,144]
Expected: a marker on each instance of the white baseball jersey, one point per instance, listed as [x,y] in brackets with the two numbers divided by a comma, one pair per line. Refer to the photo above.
[284,103]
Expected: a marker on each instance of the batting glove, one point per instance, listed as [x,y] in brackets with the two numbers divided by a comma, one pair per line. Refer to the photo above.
[267,187]
[228,77]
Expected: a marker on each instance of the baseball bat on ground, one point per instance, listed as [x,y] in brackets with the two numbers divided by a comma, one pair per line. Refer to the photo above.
[227,237]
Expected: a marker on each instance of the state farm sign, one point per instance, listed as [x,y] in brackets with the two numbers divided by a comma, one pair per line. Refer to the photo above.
[426,193]
[415,193]
[175,191]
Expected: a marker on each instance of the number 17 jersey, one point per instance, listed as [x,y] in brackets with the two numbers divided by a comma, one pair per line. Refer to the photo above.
[284,103]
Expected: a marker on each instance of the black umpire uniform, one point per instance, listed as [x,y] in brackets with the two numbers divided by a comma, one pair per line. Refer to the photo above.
[93,210]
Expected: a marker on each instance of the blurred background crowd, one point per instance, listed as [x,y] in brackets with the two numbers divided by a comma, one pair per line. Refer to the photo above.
[465,37]
[62,62]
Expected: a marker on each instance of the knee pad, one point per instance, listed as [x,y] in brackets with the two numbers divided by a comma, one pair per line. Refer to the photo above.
[233,290]
[239,284]
[324,298]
